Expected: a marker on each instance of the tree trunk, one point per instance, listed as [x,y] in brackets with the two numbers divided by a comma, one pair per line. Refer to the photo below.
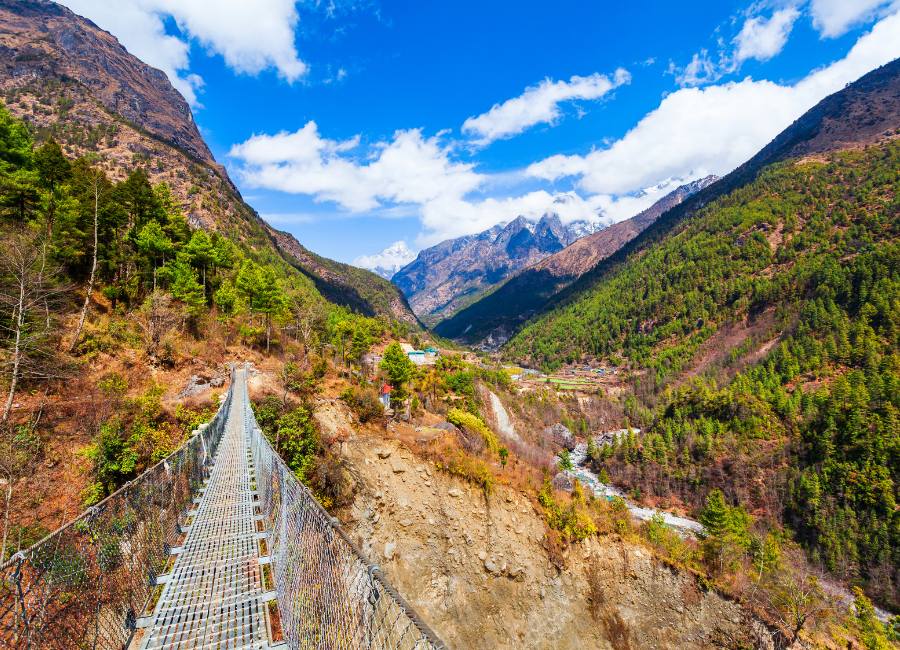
[51,208]
[17,350]
[90,287]
[6,520]
[268,331]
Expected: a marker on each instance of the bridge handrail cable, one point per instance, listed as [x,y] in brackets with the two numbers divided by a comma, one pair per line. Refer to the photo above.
[87,583]
[324,582]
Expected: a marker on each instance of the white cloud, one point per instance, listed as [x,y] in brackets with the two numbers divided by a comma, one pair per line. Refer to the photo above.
[409,169]
[539,105]
[835,17]
[701,70]
[389,261]
[696,131]
[692,133]
[762,39]
[250,36]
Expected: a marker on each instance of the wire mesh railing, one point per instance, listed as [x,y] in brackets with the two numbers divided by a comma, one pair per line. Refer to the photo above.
[86,585]
[329,596]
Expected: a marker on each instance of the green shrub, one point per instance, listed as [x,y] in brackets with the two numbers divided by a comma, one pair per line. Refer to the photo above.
[363,402]
[468,468]
[474,424]
[571,521]
[461,383]
[114,459]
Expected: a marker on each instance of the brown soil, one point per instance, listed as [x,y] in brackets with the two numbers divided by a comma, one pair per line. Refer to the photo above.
[713,353]
[476,568]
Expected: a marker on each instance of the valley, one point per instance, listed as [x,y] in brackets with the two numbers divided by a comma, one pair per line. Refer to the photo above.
[575,428]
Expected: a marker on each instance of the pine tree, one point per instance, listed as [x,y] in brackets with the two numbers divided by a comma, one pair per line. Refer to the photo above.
[15,144]
[153,242]
[716,515]
[185,288]
[53,169]
[201,253]
[174,224]
[871,630]
[226,298]
[399,370]
[271,300]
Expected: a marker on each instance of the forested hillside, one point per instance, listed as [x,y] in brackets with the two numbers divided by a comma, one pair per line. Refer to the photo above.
[94,270]
[776,312]
[496,314]
[69,80]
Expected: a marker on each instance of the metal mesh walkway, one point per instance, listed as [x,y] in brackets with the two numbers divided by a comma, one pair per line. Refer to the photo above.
[213,597]
[245,525]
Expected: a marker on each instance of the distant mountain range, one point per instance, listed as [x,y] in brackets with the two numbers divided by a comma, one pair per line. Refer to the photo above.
[494,316]
[387,262]
[445,277]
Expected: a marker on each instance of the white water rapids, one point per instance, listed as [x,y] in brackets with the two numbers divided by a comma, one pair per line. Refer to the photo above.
[590,480]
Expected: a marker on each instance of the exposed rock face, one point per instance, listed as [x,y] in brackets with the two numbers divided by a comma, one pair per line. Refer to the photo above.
[477,572]
[45,40]
[497,314]
[68,78]
[561,436]
[443,277]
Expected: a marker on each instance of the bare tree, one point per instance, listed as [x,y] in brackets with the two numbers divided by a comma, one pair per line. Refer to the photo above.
[308,317]
[28,286]
[90,287]
[19,447]
[792,595]
[156,317]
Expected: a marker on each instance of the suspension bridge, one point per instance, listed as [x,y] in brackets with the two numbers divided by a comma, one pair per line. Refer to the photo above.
[217,546]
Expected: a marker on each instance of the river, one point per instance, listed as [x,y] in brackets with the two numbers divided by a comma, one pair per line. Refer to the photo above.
[590,480]
[682,525]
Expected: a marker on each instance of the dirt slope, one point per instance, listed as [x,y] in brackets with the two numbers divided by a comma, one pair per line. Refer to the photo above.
[477,571]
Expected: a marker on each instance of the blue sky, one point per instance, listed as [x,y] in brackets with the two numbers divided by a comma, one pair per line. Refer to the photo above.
[357,125]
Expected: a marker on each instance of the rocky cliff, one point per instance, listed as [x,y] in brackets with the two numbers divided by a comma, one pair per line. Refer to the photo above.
[477,570]
[444,277]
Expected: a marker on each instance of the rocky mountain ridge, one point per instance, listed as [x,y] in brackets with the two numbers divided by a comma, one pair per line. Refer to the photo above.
[444,277]
[490,320]
[70,80]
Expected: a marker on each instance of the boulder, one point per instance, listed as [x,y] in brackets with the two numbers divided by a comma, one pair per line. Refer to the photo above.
[563,481]
[491,567]
[561,436]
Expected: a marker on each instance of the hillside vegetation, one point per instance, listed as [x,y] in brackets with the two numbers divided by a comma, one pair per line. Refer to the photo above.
[93,267]
[75,83]
[796,416]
